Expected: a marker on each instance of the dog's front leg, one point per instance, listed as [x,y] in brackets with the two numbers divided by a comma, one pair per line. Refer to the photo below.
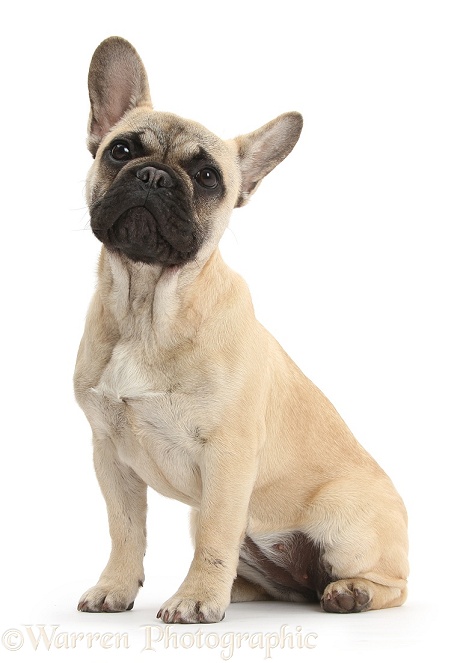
[227,479]
[126,501]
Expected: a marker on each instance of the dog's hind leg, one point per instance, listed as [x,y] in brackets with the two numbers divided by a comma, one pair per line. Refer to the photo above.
[358,595]
[362,528]
[245,590]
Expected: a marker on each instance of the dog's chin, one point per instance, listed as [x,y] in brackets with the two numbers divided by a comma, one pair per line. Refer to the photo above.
[138,236]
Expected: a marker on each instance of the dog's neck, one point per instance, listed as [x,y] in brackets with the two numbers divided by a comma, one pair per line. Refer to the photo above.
[165,305]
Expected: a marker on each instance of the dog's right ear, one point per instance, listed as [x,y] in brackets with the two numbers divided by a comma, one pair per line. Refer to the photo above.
[117,82]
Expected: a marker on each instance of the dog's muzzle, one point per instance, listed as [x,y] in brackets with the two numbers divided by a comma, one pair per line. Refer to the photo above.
[147,214]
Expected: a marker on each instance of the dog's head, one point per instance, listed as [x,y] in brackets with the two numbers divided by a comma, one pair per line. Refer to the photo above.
[161,188]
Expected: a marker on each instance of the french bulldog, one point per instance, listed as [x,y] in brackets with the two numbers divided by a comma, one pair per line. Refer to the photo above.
[187,393]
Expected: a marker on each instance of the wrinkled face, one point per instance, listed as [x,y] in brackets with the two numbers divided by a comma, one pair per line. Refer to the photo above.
[161,188]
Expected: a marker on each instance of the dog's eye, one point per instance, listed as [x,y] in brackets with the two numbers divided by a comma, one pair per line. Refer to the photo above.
[207,178]
[120,151]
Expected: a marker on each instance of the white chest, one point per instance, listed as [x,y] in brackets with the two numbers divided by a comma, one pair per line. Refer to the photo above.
[157,425]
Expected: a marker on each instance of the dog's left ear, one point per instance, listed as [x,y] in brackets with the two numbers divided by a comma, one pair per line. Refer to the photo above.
[260,151]
[117,82]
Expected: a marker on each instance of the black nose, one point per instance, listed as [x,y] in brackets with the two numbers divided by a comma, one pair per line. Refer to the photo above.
[155,177]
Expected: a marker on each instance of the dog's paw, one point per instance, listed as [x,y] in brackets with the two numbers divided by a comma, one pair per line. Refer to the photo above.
[107,598]
[183,610]
[345,596]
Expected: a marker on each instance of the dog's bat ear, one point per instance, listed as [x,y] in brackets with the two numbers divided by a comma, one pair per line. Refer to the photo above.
[260,151]
[117,82]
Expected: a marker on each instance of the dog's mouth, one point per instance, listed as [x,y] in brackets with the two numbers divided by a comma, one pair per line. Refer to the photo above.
[150,224]
[141,238]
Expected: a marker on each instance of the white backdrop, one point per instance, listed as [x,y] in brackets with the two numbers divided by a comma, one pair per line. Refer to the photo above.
[351,248]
